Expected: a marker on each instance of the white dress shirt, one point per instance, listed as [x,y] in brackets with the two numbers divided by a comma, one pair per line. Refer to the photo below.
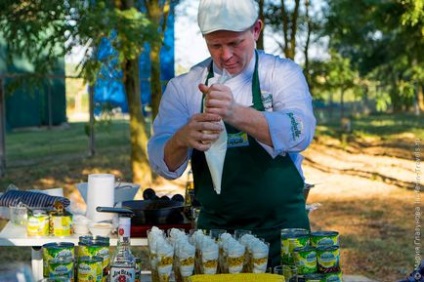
[285,95]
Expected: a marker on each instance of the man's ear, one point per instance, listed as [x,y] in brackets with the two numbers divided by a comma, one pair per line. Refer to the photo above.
[257,28]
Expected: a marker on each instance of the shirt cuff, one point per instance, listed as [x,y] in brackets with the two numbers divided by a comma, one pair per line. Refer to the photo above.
[289,132]
[157,162]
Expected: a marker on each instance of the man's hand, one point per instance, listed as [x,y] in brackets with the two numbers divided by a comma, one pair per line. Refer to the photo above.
[218,100]
[200,132]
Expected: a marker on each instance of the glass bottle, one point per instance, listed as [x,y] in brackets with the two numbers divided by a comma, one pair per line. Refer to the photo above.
[123,263]
[189,189]
[137,269]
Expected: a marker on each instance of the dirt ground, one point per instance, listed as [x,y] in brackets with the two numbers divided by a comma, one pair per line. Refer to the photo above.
[353,171]
[347,171]
[366,192]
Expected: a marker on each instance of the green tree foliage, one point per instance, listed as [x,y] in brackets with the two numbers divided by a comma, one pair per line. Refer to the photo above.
[43,30]
[332,76]
[384,41]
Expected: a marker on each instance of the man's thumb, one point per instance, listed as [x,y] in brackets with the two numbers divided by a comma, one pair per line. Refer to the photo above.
[203,88]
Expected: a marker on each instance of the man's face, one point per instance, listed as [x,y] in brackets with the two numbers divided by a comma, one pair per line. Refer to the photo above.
[232,50]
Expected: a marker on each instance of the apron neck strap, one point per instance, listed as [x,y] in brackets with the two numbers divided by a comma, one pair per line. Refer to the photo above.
[256,87]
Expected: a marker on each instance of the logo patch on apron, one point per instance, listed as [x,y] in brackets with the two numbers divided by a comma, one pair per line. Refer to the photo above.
[238,139]
[267,101]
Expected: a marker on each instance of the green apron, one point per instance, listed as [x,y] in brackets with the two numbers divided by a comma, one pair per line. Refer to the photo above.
[258,193]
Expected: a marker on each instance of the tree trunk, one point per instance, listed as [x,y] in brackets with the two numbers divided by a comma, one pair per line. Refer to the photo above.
[342,103]
[285,21]
[138,137]
[260,42]
[158,12]
[308,39]
[155,82]
[2,130]
[420,97]
[92,138]
[289,28]
[293,34]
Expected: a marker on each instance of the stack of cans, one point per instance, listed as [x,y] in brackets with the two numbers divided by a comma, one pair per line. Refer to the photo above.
[58,261]
[93,258]
[314,255]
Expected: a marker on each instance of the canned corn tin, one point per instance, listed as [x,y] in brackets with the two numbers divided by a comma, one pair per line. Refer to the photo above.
[325,238]
[305,259]
[90,269]
[313,277]
[328,259]
[61,267]
[38,224]
[96,246]
[290,239]
[294,231]
[60,225]
[56,250]
[334,277]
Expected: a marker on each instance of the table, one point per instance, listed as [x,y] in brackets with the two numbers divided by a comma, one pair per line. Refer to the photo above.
[14,235]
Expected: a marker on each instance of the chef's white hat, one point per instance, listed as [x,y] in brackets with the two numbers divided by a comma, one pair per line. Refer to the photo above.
[233,15]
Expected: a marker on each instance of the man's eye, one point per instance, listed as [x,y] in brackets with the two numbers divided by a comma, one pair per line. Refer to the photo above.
[236,43]
[214,46]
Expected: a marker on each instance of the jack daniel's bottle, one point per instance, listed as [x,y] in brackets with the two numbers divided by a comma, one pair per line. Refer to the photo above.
[123,264]
[189,189]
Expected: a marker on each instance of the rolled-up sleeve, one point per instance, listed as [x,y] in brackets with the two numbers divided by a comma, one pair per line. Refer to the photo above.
[180,100]
[172,115]
[291,121]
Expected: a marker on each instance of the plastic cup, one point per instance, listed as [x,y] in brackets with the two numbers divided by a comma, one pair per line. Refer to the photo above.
[238,233]
[216,233]
[288,271]
[19,215]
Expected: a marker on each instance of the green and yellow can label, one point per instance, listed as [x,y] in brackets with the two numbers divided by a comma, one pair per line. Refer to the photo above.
[328,259]
[90,269]
[53,251]
[38,225]
[324,238]
[305,259]
[291,240]
[334,277]
[61,267]
[60,226]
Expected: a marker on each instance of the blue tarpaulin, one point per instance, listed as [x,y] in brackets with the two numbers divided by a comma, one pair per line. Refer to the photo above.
[109,89]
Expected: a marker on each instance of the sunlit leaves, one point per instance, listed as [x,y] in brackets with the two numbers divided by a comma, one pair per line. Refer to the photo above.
[414,14]
[384,41]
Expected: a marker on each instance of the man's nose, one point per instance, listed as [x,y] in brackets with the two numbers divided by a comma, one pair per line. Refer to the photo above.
[226,53]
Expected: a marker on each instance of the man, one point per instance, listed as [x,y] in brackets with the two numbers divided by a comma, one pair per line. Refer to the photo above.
[267,111]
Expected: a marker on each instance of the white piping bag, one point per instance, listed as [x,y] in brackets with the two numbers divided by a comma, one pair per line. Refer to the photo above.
[215,156]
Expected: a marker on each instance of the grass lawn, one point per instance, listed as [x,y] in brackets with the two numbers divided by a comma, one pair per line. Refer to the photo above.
[41,158]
